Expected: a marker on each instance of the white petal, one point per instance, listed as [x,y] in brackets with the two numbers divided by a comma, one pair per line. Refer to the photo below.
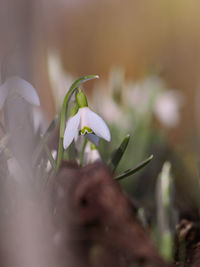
[23,88]
[71,129]
[97,124]
[76,136]
[93,138]
[83,112]
[3,94]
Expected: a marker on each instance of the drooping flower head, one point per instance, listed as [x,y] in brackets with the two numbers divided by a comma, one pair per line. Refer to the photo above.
[85,122]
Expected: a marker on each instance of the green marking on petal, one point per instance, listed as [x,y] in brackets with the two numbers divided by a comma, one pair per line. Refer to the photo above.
[85,130]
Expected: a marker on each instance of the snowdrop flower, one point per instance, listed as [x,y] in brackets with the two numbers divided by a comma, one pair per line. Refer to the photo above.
[16,85]
[85,122]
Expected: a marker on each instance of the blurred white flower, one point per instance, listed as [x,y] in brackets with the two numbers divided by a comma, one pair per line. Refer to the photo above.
[167,108]
[141,95]
[85,122]
[16,85]
[91,154]
[110,111]
[58,78]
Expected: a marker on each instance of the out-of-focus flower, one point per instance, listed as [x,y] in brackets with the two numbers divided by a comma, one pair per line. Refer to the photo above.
[110,110]
[59,79]
[91,154]
[141,95]
[167,108]
[20,87]
[85,122]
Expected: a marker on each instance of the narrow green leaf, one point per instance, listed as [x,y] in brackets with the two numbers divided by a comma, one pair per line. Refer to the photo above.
[48,152]
[134,170]
[68,95]
[118,153]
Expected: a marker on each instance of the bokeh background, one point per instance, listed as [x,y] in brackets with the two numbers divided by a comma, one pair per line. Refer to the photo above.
[147,54]
[91,37]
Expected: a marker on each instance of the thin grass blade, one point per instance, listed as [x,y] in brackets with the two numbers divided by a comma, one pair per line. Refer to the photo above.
[118,153]
[134,170]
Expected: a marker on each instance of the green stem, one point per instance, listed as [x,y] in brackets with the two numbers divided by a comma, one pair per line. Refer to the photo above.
[83,151]
[68,95]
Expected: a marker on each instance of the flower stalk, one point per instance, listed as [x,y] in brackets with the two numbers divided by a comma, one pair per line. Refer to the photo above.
[68,95]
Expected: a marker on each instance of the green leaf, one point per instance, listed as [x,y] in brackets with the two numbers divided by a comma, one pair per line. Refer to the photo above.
[118,153]
[134,170]
[68,95]
[48,152]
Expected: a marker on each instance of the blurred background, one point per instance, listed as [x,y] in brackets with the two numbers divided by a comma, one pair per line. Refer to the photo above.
[132,44]
[147,54]
[93,36]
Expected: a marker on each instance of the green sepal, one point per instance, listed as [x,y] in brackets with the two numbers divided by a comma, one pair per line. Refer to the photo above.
[73,110]
[81,99]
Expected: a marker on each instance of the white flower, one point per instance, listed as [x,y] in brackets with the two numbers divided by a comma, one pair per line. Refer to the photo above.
[16,85]
[85,122]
